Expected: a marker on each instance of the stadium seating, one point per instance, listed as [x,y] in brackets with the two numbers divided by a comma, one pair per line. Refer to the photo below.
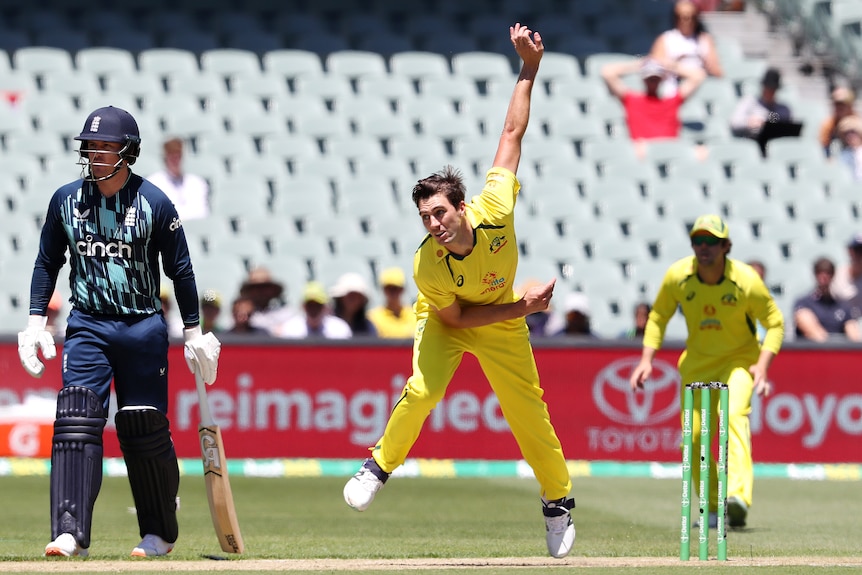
[312,131]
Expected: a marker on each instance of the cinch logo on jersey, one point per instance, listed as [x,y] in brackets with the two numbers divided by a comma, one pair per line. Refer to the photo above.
[493,282]
[118,249]
[176,224]
[497,244]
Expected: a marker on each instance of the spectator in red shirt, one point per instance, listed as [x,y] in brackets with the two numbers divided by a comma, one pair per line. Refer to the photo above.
[649,115]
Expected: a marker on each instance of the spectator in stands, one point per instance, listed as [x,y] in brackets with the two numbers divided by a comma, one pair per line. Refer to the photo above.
[270,306]
[393,319]
[847,283]
[752,113]
[843,99]
[577,310]
[641,316]
[759,267]
[820,316]
[188,192]
[648,114]
[242,309]
[316,321]
[850,132]
[210,310]
[686,43]
[722,5]
[350,303]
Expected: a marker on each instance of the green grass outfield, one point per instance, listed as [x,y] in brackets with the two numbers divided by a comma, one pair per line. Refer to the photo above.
[435,525]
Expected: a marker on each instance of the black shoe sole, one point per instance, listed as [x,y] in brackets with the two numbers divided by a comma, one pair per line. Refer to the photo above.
[736,515]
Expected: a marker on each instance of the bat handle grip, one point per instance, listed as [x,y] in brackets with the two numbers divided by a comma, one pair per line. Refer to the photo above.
[203,404]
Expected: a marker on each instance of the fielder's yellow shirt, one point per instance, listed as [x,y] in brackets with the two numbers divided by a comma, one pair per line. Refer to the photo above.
[721,318]
[485,276]
[391,326]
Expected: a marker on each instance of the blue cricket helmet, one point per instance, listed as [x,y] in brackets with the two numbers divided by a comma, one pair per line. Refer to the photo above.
[110,124]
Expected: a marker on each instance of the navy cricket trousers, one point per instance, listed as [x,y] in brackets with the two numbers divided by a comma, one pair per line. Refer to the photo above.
[131,350]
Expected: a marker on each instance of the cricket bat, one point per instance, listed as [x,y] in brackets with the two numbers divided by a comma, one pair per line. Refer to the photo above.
[219,493]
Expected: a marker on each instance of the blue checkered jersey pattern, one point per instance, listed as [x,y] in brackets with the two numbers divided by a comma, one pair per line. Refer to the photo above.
[114,244]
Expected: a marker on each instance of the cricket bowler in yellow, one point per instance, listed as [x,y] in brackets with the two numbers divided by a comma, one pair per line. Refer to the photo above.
[465,270]
[721,299]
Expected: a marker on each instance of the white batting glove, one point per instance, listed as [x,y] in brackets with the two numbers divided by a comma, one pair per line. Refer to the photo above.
[31,340]
[201,352]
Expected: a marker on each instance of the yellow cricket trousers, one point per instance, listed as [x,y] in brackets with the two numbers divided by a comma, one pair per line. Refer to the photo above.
[740,467]
[506,357]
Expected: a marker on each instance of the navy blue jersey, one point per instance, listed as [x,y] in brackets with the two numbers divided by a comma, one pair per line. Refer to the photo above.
[114,246]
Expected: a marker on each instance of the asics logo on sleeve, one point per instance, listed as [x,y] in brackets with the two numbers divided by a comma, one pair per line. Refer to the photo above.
[97,249]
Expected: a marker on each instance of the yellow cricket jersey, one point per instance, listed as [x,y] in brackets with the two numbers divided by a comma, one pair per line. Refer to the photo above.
[721,318]
[487,274]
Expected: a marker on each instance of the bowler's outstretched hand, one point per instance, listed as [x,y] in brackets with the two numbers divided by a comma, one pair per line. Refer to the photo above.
[528,44]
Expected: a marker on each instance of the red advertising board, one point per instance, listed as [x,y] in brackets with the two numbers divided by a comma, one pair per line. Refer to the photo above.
[333,402]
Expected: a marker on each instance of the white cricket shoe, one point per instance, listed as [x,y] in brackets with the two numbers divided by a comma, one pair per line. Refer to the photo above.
[65,545]
[559,526]
[152,546]
[360,489]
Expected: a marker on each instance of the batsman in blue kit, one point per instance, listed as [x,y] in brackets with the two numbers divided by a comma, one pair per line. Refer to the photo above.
[114,226]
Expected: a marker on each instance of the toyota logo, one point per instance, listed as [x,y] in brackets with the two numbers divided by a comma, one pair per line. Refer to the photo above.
[658,401]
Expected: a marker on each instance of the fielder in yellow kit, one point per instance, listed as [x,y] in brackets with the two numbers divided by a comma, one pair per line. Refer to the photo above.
[721,299]
[465,270]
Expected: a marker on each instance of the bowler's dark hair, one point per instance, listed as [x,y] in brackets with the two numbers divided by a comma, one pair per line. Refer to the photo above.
[447,181]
